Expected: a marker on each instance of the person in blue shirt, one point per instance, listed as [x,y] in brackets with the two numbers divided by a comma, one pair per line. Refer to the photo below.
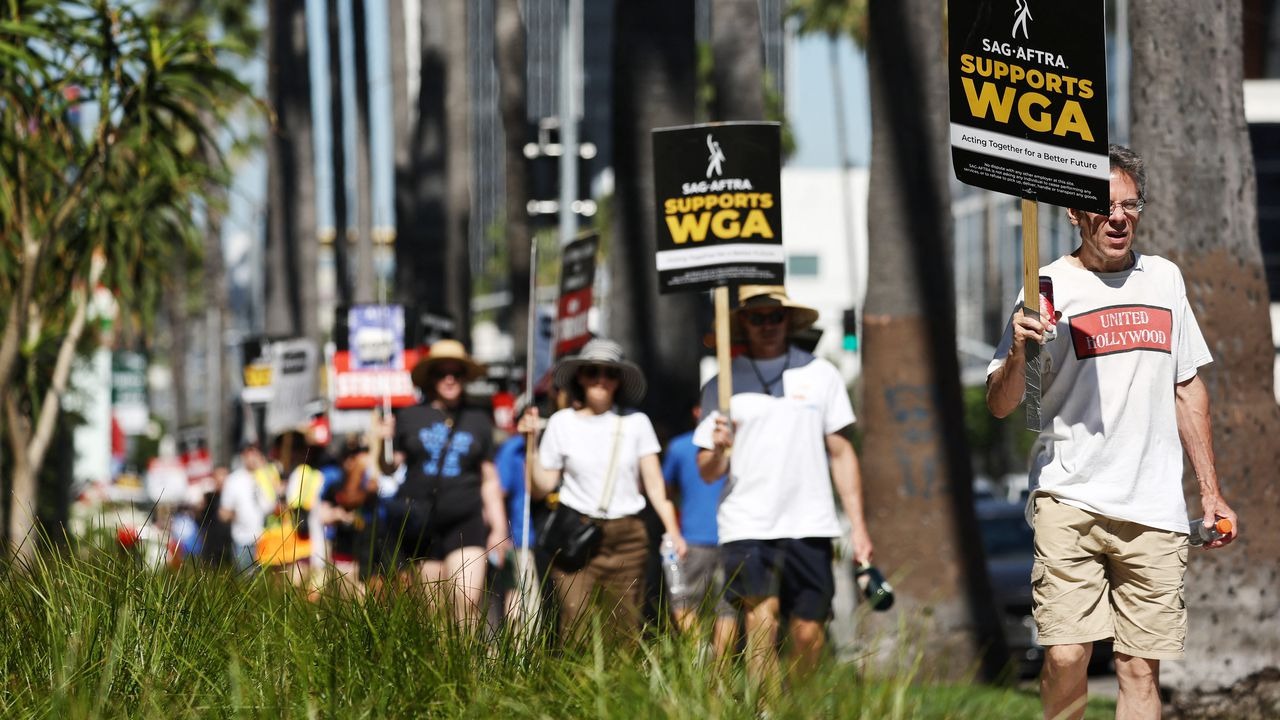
[702,572]
[528,566]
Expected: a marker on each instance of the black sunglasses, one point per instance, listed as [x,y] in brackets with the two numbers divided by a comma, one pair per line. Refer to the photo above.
[591,372]
[758,319]
[453,372]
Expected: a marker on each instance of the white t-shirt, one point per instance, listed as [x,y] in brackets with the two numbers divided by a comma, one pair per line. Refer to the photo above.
[779,482]
[580,445]
[1124,341]
[242,496]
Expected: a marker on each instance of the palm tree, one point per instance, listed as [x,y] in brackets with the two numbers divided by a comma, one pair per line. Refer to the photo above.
[1188,121]
[291,270]
[111,207]
[737,64]
[509,58]
[457,278]
[653,87]
[915,457]
[338,157]
[231,20]
[432,268]
[365,290]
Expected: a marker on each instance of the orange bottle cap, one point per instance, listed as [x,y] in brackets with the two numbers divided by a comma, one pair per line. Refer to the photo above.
[1223,525]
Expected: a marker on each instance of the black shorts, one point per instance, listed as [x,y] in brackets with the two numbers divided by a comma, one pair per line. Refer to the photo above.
[437,540]
[400,540]
[796,571]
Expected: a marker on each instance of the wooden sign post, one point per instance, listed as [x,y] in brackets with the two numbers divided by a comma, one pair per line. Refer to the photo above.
[724,358]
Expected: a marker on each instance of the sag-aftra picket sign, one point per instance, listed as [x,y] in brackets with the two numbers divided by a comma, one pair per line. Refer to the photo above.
[718,193]
[1028,85]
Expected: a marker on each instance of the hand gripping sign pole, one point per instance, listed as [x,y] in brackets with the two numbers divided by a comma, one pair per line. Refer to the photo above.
[1028,102]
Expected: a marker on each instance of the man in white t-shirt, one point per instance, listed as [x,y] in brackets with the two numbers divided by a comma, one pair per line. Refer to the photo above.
[777,516]
[1123,400]
[245,506]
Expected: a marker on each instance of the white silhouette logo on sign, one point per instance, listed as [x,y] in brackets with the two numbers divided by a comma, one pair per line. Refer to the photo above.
[717,157]
[1021,15]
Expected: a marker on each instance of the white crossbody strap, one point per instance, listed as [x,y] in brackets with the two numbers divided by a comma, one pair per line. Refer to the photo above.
[607,497]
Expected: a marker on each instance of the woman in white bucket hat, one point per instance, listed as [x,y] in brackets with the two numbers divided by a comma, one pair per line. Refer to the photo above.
[604,460]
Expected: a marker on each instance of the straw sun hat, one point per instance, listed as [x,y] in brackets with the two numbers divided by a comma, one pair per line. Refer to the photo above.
[631,385]
[766,296]
[445,351]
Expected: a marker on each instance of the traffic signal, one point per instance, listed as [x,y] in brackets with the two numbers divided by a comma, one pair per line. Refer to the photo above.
[850,330]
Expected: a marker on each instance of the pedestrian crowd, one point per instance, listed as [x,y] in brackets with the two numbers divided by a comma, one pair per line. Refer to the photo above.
[567,515]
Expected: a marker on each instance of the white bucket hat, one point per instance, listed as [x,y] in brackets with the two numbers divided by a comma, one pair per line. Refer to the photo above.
[631,384]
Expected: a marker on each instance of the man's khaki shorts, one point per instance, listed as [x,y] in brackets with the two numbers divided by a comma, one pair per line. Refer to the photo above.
[1096,578]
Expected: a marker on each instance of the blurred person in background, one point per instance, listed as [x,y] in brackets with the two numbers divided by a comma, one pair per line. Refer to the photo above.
[305,562]
[244,505]
[702,574]
[216,549]
[524,590]
[347,507]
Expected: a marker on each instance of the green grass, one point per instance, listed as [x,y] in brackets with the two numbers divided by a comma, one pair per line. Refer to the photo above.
[96,635]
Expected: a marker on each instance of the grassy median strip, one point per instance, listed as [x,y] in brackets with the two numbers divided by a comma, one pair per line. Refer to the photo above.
[93,633]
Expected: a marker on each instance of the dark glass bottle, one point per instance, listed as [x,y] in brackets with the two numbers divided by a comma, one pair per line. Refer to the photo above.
[877,591]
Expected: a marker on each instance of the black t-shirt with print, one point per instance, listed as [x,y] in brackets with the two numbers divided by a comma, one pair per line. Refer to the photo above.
[443,469]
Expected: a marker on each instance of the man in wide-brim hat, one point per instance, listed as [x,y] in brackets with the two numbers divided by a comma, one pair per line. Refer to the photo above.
[777,517]
[753,297]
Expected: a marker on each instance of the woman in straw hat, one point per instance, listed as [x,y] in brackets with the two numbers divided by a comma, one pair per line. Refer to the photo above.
[448,512]
[604,460]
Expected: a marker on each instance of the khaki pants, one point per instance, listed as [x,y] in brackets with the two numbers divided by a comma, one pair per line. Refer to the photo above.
[612,582]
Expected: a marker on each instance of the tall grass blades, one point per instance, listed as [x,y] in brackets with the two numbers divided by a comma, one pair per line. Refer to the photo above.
[88,632]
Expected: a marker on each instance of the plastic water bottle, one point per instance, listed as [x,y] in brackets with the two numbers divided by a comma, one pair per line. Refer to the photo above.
[672,568]
[877,591]
[1201,535]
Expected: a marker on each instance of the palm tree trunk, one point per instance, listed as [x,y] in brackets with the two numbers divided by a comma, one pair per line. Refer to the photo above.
[915,459]
[737,57]
[420,180]
[291,294]
[402,126]
[217,308]
[653,87]
[365,280]
[175,292]
[509,51]
[1188,121]
[457,279]
[338,157]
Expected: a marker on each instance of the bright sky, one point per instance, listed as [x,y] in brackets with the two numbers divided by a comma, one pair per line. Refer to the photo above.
[811,106]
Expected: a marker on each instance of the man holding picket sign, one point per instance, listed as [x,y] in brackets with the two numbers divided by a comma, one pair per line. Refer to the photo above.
[718,200]
[1114,393]
[783,446]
